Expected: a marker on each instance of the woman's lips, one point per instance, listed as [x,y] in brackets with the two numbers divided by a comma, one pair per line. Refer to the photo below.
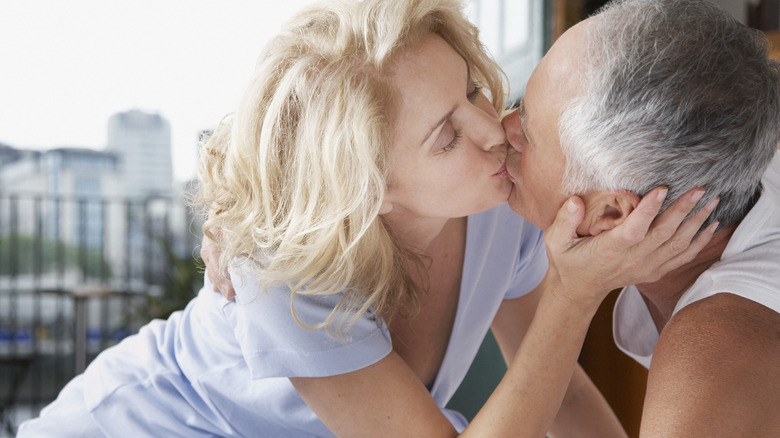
[502,173]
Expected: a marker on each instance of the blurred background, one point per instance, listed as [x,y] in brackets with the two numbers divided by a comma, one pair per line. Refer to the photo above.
[102,104]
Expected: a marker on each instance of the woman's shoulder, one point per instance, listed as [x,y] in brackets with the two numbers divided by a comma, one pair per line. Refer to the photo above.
[281,333]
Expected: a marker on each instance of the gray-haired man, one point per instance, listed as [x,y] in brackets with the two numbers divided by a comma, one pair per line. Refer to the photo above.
[673,93]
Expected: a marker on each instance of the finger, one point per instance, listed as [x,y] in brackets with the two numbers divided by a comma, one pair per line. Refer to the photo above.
[668,222]
[224,285]
[206,250]
[682,242]
[213,279]
[691,251]
[688,229]
[227,291]
[637,224]
[564,229]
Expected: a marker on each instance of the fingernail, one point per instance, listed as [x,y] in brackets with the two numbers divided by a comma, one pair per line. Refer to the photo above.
[711,205]
[697,195]
[713,227]
[571,206]
[661,195]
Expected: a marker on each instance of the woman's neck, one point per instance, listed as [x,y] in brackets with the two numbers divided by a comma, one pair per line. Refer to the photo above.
[416,233]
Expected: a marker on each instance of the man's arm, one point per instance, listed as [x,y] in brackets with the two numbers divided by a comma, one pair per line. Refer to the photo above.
[584,411]
[716,372]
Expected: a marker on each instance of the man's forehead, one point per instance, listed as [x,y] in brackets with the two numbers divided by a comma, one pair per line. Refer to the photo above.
[558,78]
[568,54]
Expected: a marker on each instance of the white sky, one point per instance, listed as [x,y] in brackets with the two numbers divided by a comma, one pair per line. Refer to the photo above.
[67,66]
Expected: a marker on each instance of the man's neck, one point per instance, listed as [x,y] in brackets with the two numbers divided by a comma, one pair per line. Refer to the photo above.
[662,296]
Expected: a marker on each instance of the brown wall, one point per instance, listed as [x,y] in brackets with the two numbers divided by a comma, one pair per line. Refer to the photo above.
[620,379]
[774,41]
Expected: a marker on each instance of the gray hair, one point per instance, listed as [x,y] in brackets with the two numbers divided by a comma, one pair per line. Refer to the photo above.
[678,93]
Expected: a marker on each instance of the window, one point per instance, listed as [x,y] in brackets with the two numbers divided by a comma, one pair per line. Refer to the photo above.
[513,31]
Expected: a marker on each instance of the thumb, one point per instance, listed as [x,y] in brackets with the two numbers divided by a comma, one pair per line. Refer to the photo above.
[564,230]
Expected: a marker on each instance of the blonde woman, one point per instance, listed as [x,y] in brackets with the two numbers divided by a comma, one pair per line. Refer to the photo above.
[359,196]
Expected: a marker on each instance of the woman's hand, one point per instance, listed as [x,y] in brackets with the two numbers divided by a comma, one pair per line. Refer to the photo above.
[643,248]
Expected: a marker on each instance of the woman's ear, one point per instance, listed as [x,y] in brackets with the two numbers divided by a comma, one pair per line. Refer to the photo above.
[604,210]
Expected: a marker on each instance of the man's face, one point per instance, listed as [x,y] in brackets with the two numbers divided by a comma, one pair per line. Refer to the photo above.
[536,162]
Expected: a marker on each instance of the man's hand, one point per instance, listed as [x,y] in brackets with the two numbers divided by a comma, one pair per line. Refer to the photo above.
[209,252]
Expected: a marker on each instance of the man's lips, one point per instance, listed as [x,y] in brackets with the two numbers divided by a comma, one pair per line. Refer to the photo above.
[512,161]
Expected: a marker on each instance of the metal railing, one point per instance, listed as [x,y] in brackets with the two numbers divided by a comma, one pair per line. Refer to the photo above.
[77,275]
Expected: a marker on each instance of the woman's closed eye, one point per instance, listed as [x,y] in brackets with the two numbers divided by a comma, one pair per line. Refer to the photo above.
[456,135]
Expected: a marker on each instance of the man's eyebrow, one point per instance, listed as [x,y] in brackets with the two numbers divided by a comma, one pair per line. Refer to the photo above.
[468,73]
[521,111]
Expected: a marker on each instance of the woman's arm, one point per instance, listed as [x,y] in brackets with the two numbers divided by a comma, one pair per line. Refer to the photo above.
[387,399]
[584,412]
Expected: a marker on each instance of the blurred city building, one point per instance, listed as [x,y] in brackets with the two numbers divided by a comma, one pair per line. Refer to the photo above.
[142,141]
[92,245]
[58,174]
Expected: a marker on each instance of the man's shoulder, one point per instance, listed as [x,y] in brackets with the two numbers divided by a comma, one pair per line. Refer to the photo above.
[712,373]
[724,324]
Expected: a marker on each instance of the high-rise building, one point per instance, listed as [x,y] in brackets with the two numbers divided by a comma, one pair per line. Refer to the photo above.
[142,141]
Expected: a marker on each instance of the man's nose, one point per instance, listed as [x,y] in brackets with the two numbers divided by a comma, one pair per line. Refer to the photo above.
[514,129]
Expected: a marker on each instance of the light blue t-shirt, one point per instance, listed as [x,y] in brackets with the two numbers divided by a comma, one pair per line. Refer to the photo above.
[221,368]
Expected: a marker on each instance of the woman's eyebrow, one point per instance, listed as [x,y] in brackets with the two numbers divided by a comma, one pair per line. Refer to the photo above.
[451,111]
[439,123]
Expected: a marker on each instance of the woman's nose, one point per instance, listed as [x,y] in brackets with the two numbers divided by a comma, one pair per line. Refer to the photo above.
[489,134]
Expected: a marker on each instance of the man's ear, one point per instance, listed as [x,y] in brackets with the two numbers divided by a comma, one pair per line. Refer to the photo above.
[386,207]
[604,210]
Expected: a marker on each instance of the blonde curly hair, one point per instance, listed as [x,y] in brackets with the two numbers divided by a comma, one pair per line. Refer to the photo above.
[295,178]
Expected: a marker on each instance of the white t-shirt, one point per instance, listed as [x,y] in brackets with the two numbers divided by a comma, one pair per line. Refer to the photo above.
[749,267]
[221,367]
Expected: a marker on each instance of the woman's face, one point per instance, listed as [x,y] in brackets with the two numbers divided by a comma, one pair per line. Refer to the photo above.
[449,149]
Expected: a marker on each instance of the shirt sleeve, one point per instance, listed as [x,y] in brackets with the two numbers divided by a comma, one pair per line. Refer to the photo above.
[275,345]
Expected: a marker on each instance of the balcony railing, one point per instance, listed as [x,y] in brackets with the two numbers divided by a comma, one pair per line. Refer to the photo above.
[77,275]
